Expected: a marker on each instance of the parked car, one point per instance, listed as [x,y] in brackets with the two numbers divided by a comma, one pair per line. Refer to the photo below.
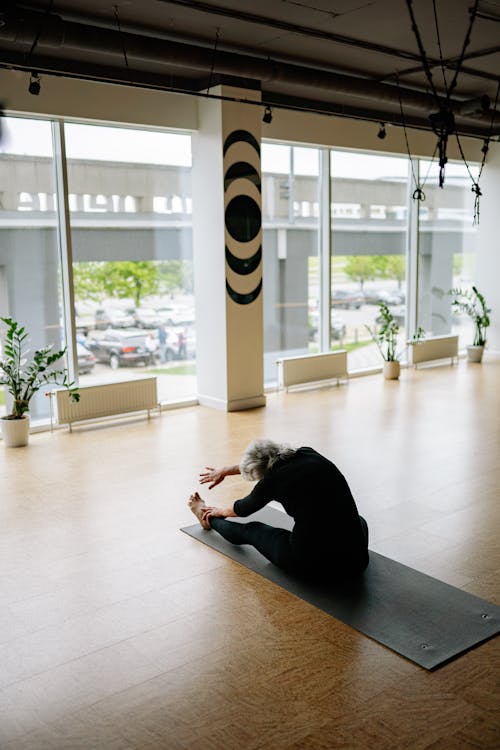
[86,360]
[180,343]
[398,313]
[84,320]
[337,326]
[178,315]
[112,318]
[391,298]
[120,348]
[146,317]
[375,296]
[347,299]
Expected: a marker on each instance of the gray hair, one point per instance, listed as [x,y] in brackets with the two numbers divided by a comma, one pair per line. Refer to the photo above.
[260,456]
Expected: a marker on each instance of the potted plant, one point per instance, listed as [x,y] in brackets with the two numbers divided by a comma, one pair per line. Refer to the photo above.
[386,339]
[472,302]
[23,377]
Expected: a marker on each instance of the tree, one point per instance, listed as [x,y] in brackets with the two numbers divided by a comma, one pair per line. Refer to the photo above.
[361,268]
[134,279]
[131,278]
[121,279]
[395,268]
[176,275]
[89,281]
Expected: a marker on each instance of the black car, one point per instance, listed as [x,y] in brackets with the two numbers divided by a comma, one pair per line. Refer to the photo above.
[120,348]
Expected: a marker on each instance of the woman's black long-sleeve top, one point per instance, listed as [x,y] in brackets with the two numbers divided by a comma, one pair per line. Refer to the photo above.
[315,493]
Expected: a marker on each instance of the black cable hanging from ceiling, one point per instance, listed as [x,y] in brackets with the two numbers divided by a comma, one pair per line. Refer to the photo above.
[485,148]
[212,66]
[418,194]
[34,83]
[48,9]
[118,26]
[442,121]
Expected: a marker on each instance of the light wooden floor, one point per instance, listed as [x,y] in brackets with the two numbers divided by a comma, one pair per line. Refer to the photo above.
[119,632]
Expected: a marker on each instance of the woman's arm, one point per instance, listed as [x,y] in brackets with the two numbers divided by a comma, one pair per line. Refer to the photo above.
[215,476]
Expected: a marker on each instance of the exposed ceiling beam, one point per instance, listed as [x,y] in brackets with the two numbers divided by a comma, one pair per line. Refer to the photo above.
[309,31]
[65,47]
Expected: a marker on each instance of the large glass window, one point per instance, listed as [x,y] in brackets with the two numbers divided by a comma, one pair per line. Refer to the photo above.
[129,198]
[30,278]
[369,226]
[290,207]
[130,214]
[447,249]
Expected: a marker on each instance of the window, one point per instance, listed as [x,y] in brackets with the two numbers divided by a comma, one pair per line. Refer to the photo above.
[290,201]
[30,278]
[369,229]
[446,249]
[132,254]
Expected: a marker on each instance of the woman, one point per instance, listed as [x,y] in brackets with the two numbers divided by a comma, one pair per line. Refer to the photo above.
[329,537]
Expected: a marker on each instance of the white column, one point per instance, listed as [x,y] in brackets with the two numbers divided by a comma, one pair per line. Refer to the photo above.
[227,240]
[488,244]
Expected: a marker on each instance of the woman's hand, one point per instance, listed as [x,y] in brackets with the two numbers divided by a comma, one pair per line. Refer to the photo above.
[215,476]
[211,511]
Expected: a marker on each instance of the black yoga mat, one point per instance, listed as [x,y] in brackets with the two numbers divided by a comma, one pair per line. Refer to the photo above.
[419,617]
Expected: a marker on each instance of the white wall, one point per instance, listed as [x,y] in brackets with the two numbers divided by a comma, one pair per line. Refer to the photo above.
[73,98]
[342,132]
[488,273]
[64,97]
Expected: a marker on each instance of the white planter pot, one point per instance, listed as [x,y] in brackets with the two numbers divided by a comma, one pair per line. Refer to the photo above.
[475,353]
[15,431]
[391,370]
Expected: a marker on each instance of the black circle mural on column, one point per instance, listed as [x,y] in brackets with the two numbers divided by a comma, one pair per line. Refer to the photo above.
[241,135]
[243,216]
[243,266]
[242,170]
[243,299]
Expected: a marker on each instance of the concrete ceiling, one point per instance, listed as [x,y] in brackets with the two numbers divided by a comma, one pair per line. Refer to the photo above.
[355,58]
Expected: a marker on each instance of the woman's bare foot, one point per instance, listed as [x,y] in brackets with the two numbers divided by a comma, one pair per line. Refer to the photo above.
[198,505]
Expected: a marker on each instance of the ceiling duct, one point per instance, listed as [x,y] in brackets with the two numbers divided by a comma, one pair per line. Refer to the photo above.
[63,40]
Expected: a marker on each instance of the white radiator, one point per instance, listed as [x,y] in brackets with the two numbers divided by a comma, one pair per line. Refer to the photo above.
[107,400]
[312,368]
[437,347]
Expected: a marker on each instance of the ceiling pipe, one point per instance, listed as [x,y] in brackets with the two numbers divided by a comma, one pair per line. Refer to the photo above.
[55,33]
[476,106]
[192,87]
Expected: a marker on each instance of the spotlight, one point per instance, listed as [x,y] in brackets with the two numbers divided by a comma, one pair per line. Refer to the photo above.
[268,115]
[381,133]
[34,87]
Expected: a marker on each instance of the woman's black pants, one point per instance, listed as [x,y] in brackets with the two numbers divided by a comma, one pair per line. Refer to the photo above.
[270,541]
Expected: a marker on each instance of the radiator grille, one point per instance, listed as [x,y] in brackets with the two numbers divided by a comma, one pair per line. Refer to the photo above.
[106,400]
[438,347]
[312,368]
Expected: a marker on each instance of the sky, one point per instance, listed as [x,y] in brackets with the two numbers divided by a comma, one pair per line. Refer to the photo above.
[33,138]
